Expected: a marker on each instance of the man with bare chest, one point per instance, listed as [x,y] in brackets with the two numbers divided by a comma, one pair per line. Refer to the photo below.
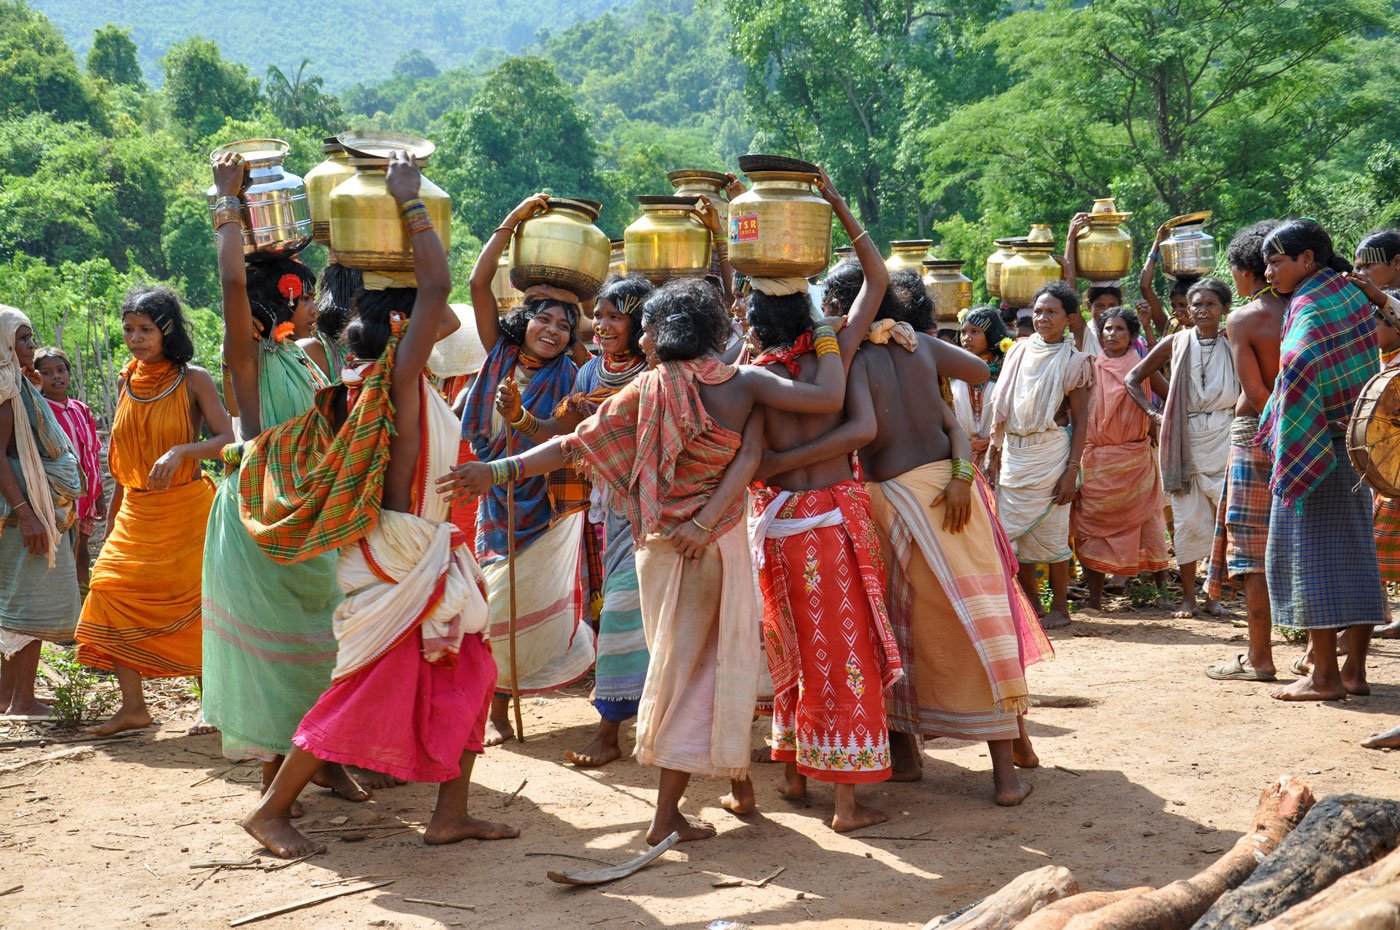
[1242,520]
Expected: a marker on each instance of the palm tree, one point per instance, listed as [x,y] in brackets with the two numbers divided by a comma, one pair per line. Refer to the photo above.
[301,101]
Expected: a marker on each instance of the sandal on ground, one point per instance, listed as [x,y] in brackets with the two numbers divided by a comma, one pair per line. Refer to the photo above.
[1237,670]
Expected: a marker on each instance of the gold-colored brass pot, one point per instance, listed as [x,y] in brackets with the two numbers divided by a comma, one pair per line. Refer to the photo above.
[692,182]
[617,260]
[668,240]
[1189,252]
[948,288]
[321,181]
[908,253]
[1041,232]
[780,227]
[1104,252]
[366,230]
[506,294]
[562,248]
[1030,269]
[994,263]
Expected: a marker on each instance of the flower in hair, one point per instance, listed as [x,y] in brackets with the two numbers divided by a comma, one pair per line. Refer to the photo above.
[1006,344]
[397,323]
[290,287]
[283,331]
[962,316]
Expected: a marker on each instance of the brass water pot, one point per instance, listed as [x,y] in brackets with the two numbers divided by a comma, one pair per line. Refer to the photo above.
[668,240]
[1041,232]
[1027,271]
[908,253]
[948,288]
[780,227]
[276,218]
[506,294]
[692,182]
[617,259]
[562,248]
[1104,252]
[1189,252]
[994,263]
[366,229]
[323,179]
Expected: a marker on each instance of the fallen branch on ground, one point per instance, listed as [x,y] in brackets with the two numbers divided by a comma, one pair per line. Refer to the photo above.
[1012,903]
[613,873]
[306,902]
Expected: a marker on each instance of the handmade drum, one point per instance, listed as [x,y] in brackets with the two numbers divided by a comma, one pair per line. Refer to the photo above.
[1373,438]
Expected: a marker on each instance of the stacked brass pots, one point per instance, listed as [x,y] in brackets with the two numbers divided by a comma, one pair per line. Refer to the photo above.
[321,181]
[617,258]
[668,240]
[693,182]
[1029,269]
[1104,251]
[562,248]
[1189,252]
[276,217]
[994,263]
[366,230]
[780,227]
[908,253]
[948,288]
[506,294]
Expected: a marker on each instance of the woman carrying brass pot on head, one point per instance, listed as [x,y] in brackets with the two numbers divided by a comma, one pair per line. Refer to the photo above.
[529,361]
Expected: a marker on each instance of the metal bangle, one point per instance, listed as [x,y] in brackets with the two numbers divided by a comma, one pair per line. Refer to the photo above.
[702,526]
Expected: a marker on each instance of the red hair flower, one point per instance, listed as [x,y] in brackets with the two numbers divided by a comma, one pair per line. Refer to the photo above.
[290,287]
[283,332]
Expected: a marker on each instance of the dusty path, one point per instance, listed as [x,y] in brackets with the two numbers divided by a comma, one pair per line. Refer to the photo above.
[1150,770]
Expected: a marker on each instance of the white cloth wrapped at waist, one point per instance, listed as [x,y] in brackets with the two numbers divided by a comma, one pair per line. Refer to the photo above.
[407,572]
[768,526]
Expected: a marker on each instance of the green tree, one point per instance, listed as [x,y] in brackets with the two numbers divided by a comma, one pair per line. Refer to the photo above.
[523,132]
[1169,107]
[112,57]
[843,82]
[202,90]
[413,65]
[301,101]
[38,71]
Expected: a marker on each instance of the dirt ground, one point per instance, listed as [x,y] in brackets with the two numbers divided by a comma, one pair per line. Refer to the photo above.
[1149,771]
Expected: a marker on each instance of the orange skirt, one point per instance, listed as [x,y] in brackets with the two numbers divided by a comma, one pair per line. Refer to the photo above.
[143,608]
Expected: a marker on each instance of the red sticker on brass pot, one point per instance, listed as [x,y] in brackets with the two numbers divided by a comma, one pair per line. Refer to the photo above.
[743,228]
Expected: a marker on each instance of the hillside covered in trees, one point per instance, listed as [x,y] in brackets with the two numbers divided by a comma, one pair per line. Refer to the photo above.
[960,120]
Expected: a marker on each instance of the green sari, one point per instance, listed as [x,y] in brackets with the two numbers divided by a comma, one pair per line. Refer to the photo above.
[268,644]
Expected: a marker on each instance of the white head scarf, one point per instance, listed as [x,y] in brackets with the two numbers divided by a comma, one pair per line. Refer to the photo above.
[12,382]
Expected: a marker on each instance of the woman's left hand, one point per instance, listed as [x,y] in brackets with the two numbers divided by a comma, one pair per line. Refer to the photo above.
[163,471]
[1374,294]
[709,214]
[956,498]
[825,187]
[1068,486]
[690,541]
[465,481]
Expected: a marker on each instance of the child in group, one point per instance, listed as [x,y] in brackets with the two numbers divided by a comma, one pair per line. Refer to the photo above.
[75,417]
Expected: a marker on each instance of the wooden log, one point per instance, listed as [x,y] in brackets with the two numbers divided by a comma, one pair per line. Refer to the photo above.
[1178,905]
[1343,887]
[1372,909]
[1055,915]
[1006,907]
[1339,835]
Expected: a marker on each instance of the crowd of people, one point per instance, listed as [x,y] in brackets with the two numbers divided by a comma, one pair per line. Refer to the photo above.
[738,502]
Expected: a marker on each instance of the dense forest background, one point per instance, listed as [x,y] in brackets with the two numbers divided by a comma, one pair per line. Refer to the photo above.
[957,120]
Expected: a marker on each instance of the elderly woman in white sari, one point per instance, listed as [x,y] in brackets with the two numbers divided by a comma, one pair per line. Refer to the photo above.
[40,485]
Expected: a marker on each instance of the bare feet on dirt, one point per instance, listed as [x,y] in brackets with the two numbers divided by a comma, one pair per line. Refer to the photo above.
[794,784]
[122,721]
[740,799]
[279,837]
[859,816]
[1023,753]
[689,830]
[374,781]
[1012,794]
[1305,690]
[602,750]
[446,828]
[763,755]
[498,731]
[1390,739]
[1054,620]
[905,758]
[202,727]
[35,708]
[333,776]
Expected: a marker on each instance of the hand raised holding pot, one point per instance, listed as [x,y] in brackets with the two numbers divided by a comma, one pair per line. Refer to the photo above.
[403,178]
[229,175]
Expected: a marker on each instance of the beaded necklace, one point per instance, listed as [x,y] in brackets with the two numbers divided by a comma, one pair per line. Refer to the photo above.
[617,371]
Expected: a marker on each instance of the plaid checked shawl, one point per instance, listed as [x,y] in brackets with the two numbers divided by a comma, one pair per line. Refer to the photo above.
[537,500]
[1328,353]
[305,487]
[656,447]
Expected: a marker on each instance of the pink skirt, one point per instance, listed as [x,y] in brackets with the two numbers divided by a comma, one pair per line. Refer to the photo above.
[405,717]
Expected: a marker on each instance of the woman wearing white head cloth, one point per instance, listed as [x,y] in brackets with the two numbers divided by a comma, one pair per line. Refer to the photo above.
[40,484]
